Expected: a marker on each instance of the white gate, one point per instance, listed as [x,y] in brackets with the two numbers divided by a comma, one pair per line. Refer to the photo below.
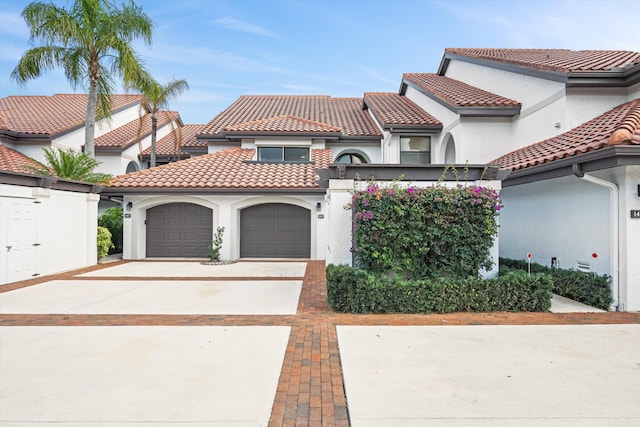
[18,236]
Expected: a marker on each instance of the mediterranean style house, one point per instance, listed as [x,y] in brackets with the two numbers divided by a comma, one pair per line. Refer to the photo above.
[557,131]
[30,123]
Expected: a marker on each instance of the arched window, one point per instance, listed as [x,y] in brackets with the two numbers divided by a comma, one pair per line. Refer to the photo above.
[450,151]
[132,167]
[353,158]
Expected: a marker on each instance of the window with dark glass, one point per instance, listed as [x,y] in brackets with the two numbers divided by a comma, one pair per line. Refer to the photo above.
[352,158]
[283,154]
[415,150]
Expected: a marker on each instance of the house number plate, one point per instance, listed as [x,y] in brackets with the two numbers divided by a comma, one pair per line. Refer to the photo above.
[635,214]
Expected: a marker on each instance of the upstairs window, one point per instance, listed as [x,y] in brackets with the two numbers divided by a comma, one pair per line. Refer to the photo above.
[283,154]
[415,150]
[353,158]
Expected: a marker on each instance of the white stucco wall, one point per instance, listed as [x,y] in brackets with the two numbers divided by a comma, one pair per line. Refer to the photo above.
[630,238]
[564,218]
[62,224]
[570,219]
[548,108]
[118,119]
[528,90]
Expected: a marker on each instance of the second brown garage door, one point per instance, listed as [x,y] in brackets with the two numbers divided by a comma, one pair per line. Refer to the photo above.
[275,230]
[179,230]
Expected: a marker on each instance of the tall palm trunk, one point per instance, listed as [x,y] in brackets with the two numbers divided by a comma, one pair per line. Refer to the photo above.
[154,128]
[90,123]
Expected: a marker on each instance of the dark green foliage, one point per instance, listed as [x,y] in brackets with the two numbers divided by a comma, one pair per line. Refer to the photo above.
[587,288]
[424,232]
[112,220]
[353,290]
[69,164]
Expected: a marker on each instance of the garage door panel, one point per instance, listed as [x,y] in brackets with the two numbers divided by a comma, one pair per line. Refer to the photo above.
[275,230]
[268,235]
[174,221]
[179,230]
[191,236]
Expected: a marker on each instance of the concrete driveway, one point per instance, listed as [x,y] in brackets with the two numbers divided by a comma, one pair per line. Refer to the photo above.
[170,343]
[158,375]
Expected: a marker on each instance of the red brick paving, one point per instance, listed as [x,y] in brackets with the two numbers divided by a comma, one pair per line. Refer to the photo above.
[310,390]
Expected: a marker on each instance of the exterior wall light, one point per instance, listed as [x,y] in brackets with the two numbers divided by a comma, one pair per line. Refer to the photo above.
[129,206]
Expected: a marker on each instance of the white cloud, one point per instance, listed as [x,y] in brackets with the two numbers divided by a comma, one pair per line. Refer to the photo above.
[246,27]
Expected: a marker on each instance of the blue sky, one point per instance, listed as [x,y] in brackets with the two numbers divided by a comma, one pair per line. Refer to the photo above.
[341,48]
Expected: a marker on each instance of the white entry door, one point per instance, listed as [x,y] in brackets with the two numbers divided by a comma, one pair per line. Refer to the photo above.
[19,245]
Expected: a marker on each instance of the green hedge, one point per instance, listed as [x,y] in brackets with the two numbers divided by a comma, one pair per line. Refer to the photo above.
[587,288]
[112,220]
[351,290]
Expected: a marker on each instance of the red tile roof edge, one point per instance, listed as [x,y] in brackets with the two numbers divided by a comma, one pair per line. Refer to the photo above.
[628,132]
[228,170]
[571,143]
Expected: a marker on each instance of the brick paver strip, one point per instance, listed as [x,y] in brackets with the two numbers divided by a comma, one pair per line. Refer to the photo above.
[310,390]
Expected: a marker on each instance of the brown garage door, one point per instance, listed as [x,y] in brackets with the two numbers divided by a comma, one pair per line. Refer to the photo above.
[275,230]
[179,230]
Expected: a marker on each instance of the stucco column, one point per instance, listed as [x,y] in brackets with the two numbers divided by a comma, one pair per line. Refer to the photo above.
[339,236]
[92,229]
[495,249]
[230,234]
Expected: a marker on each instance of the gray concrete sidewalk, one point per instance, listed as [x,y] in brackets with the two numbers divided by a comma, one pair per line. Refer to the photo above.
[587,375]
[139,375]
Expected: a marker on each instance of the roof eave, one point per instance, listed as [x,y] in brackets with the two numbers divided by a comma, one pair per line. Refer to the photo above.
[114,191]
[413,172]
[51,182]
[620,78]
[413,129]
[25,138]
[489,111]
[557,76]
[619,155]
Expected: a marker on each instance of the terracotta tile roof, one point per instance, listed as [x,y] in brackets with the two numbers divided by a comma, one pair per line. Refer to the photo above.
[620,126]
[229,169]
[391,109]
[167,146]
[50,115]
[563,60]
[126,135]
[456,93]
[343,113]
[14,161]
[285,123]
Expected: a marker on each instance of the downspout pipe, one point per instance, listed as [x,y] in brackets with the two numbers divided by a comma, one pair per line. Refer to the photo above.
[614,237]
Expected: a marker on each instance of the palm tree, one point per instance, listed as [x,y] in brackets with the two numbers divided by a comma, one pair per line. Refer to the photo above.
[92,43]
[156,98]
[69,164]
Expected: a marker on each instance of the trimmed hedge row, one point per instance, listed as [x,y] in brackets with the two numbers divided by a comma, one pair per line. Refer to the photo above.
[351,290]
[587,288]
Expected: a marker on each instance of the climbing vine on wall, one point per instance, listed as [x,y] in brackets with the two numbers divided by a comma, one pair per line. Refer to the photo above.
[437,231]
